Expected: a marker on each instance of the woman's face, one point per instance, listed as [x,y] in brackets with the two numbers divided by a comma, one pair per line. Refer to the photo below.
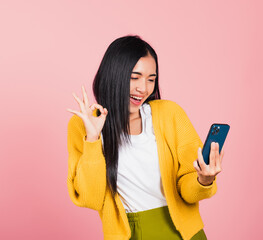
[142,81]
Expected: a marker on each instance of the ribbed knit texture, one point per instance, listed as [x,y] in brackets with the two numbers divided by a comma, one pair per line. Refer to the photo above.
[177,144]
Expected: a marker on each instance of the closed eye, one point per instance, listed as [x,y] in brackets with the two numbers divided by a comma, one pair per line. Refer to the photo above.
[151,80]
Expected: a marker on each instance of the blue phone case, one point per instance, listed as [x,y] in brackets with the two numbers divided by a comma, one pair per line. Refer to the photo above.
[217,133]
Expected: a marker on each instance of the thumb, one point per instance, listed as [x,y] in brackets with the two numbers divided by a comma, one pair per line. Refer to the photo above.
[104,113]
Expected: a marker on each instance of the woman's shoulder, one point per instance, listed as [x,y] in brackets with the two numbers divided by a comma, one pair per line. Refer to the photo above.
[171,114]
[74,121]
[166,106]
[164,109]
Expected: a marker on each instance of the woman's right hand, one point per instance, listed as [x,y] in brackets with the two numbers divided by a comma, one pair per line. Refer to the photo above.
[92,124]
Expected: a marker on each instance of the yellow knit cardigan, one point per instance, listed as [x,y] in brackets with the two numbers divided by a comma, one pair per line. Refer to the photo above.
[177,144]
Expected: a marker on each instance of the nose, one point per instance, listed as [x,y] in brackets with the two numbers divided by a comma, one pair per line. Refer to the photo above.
[141,86]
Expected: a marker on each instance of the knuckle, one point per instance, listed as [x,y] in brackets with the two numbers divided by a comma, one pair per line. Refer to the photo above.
[212,173]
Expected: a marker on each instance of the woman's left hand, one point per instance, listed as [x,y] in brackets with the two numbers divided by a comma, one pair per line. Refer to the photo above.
[206,173]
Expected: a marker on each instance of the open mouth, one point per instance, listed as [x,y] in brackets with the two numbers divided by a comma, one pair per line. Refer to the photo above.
[135,100]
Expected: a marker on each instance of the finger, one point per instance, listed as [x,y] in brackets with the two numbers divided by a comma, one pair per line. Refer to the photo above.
[202,164]
[75,112]
[217,157]
[212,155]
[85,96]
[197,168]
[222,154]
[218,168]
[81,104]
[76,98]
[98,106]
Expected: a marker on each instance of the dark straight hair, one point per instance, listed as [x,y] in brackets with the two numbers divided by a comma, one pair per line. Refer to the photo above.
[111,88]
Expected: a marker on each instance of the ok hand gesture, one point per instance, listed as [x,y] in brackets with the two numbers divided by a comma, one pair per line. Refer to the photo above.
[92,124]
[206,173]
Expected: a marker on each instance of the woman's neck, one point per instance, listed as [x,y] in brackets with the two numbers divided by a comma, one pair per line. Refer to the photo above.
[134,116]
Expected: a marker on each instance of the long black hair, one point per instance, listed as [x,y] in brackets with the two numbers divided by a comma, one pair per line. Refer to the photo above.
[111,88]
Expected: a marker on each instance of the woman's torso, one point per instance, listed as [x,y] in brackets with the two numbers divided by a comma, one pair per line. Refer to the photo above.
[139,181]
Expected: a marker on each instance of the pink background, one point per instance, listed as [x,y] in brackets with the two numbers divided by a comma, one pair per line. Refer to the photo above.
[210,57]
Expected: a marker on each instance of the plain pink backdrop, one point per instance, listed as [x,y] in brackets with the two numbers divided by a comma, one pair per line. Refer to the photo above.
[210,57]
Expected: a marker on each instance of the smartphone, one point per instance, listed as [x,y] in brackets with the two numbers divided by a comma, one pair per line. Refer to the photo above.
[217,133]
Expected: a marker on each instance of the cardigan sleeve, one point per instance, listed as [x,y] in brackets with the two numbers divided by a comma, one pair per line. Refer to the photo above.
[188,142]
[86,179]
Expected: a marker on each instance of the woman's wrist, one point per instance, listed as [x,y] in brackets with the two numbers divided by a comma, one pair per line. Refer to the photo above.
[205,183]
[91,139]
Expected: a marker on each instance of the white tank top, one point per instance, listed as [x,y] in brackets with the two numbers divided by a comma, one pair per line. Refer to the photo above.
[139,181]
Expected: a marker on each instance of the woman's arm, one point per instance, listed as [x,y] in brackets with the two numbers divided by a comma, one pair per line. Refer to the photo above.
[188,142]
[190,189]
[86,179]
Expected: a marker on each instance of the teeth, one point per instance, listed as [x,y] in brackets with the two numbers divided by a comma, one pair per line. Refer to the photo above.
[138,98]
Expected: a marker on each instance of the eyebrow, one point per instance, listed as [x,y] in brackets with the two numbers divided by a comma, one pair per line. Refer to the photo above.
[141,74]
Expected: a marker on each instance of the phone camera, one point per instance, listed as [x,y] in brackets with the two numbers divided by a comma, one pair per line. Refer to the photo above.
[215,130]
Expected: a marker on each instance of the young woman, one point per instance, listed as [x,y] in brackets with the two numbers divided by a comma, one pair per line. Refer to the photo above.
[135,158]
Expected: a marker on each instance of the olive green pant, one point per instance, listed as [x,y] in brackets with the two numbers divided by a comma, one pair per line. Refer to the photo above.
[156,224]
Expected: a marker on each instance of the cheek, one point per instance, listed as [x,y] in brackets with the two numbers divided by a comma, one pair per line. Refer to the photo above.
[151,89]
[131,86]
